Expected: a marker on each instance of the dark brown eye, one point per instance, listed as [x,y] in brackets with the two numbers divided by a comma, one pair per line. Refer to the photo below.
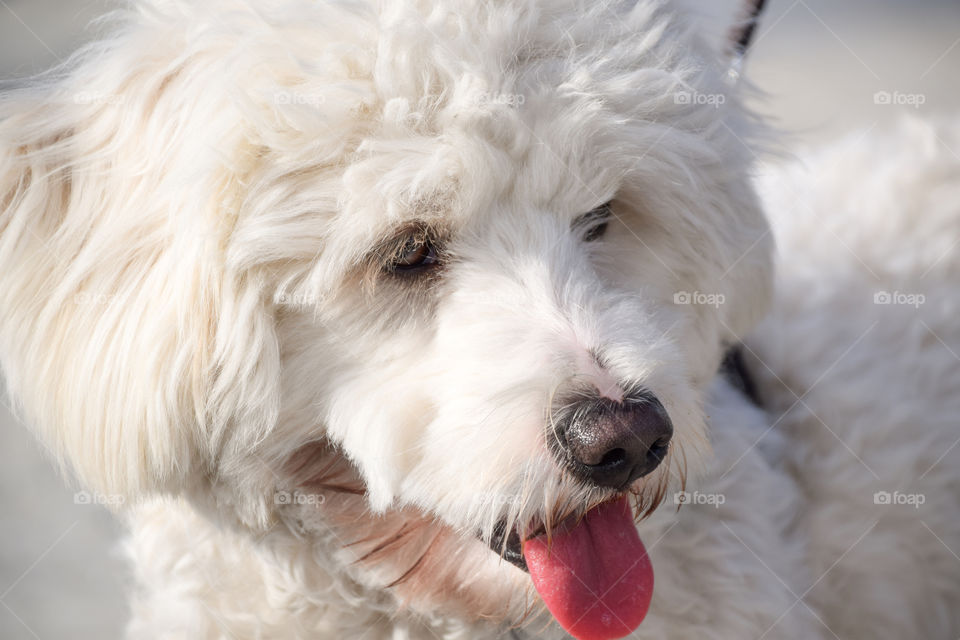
[595,222]
[417,253]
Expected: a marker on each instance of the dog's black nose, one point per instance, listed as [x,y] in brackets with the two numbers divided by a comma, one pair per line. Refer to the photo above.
[611,444]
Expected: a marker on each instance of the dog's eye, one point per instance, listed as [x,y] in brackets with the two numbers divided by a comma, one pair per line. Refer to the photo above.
[595,222]
[417,253]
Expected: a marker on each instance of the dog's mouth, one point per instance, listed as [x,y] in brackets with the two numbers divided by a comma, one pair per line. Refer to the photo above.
[592,572]
[509,545]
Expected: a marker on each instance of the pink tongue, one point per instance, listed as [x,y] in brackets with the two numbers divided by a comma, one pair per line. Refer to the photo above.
[595,577]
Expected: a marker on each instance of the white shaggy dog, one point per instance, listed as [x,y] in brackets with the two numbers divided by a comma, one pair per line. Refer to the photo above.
[375,315]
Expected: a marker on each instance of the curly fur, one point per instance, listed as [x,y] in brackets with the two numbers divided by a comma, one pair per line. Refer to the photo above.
[197,216]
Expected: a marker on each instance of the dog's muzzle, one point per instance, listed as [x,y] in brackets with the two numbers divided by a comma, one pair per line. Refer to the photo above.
[611,444]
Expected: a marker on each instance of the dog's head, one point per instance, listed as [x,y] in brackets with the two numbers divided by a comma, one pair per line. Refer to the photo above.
[415,281]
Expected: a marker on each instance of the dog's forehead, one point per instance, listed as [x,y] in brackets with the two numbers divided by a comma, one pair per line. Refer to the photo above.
[513,108]
[466,179]
[537,154]
[544,159]
[538,96]
[512,95]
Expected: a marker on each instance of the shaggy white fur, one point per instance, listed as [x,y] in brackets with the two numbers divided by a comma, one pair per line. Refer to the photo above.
[201,310]
[861,362]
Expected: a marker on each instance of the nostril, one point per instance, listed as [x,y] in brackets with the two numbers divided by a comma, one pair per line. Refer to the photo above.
[612,457]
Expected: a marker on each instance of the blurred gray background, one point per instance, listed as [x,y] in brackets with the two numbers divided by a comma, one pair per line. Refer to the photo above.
[821,64]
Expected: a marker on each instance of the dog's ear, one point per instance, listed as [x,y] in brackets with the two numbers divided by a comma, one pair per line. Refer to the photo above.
[728,25]
[124,338]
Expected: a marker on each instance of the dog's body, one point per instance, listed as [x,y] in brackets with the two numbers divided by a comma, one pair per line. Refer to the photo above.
[333,291]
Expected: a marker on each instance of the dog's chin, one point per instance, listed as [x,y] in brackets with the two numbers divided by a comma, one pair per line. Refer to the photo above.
[428,565]
[432,566]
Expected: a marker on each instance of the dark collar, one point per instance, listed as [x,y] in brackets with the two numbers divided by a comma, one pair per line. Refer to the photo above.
[734,369]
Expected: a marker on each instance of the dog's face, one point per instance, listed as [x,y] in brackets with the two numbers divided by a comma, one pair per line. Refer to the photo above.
[421,282]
